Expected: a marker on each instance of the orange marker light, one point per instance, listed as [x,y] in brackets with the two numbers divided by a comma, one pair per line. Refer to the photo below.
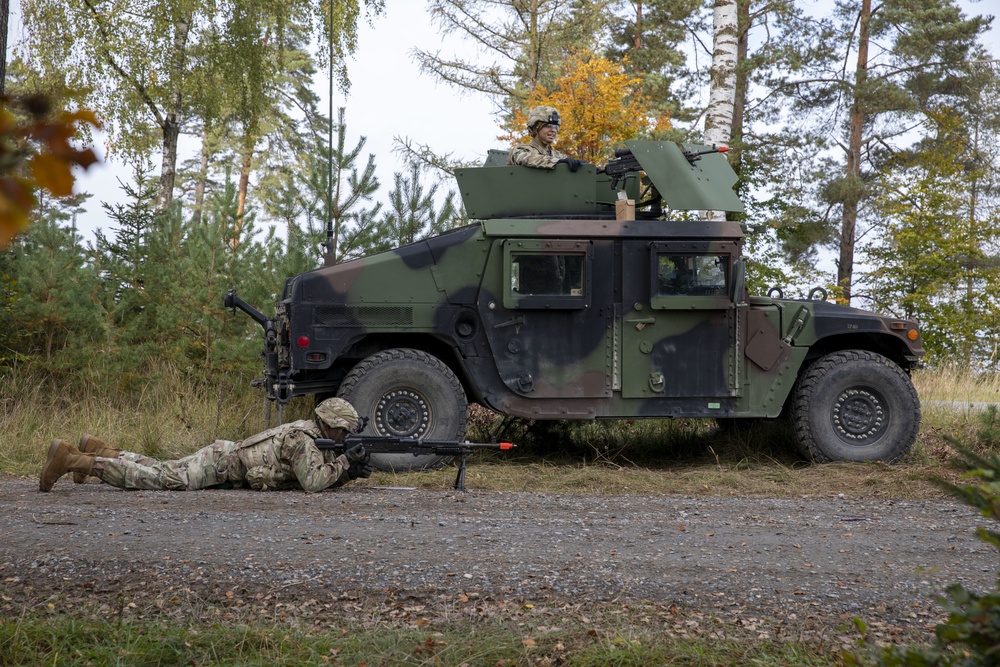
[912,334]
[723,149]
[507,445]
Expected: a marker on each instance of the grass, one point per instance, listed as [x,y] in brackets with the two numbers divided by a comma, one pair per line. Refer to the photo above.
[164,415]
[167,416]
[613,635]
[856,480]
[954,383]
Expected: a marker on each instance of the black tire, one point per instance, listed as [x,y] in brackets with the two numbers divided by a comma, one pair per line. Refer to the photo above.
[411,394]
[855,405]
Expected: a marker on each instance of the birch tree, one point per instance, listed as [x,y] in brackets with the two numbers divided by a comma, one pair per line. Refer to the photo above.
[722,93]
[134,56]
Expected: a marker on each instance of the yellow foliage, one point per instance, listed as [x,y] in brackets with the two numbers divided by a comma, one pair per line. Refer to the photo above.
[600,106]
[35,152]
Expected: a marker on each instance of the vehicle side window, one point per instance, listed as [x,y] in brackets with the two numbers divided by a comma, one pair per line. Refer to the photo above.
[691,274]
[537,274]
[548,274]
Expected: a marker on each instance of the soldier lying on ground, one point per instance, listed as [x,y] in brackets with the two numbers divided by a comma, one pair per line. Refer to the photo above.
[543,126]
[284,457]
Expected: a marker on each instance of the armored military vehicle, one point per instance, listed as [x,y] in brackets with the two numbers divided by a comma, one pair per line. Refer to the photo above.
[571,297]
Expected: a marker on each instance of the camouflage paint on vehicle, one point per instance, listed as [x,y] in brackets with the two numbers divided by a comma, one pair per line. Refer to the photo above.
[550,308]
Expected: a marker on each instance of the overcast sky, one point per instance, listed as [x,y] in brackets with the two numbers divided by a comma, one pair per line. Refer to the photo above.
[390,97]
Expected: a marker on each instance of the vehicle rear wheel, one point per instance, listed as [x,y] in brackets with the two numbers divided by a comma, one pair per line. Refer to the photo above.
[410,394]
[855,405]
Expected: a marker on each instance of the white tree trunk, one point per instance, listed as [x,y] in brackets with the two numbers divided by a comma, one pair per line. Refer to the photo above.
[719,115]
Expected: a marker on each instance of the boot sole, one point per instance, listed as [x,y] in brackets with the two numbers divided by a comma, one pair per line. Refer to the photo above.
[53,450]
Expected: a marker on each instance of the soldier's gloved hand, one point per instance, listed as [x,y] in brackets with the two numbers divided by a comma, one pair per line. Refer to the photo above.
[360,469]
[357,453]
[573,163]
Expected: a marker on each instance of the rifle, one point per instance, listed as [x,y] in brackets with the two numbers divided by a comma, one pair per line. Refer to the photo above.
[388,444]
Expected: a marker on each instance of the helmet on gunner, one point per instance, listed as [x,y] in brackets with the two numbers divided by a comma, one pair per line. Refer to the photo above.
[337,413]
[539,116]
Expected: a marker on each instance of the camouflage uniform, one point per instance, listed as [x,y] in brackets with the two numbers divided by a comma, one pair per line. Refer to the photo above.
[283,457]
[535,155]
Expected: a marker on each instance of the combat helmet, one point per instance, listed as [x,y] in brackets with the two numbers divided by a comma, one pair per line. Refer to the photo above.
[538,116]
[337,413]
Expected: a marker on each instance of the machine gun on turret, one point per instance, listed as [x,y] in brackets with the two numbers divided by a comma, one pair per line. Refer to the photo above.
[625,162]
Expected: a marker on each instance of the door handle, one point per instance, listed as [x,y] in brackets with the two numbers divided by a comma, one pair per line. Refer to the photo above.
[641,322]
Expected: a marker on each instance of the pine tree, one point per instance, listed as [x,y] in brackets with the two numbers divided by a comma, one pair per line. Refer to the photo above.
[936,257]
[219,254]
[50,302]
[123,261]
[902,58]
[412,214]
[649,39]
[522,42]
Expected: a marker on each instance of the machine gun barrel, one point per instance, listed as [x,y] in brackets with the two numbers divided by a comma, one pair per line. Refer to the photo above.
[694,156]
[387,444]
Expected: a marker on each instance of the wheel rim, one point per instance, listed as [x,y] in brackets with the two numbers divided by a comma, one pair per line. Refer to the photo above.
[860,416]
[403,413]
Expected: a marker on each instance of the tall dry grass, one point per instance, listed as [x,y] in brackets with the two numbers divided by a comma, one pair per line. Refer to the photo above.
[956,384]
[163,414]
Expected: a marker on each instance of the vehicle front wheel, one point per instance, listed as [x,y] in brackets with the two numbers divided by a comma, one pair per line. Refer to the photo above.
[855,405]
[410,394]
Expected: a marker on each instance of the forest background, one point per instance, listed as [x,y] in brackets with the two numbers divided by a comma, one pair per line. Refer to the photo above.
[862,132]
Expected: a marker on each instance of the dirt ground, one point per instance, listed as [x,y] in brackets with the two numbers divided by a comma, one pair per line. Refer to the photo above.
[806,564]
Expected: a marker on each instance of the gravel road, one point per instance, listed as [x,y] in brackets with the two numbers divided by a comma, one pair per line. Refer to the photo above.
[790,559]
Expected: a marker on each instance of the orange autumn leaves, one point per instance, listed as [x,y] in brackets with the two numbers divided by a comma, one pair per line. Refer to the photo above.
[36,153]
[599,104]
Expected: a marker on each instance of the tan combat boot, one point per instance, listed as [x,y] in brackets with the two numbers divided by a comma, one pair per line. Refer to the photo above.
[63,459]
[91,445]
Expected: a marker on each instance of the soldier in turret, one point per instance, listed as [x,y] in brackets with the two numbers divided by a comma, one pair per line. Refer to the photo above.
[543,126]
[284,457]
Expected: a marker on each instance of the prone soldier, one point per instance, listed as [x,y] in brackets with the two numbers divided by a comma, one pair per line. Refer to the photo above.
[284,457]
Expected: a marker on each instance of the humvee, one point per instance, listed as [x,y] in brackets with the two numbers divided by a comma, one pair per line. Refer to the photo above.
[571,297]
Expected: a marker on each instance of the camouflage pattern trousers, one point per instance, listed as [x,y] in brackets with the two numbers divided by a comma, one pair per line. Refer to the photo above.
[210,466]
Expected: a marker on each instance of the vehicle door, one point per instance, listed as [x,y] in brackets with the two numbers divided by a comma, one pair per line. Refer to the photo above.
[679,323]
[551,328]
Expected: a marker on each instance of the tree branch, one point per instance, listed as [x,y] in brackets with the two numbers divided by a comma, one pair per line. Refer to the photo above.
[131,80]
